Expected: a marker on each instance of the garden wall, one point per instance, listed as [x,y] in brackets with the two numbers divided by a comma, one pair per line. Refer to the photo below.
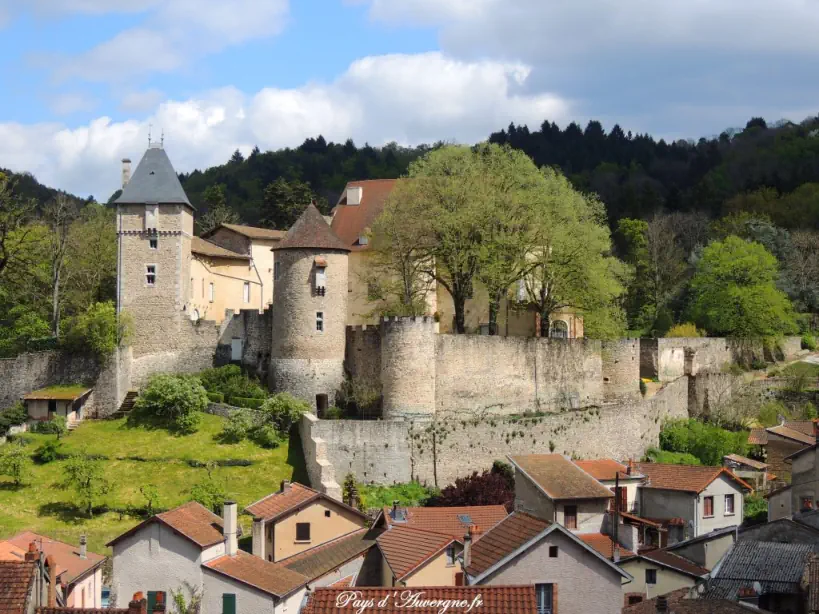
[29,372]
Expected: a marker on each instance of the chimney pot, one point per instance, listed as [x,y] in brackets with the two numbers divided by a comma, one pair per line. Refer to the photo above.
[468,547]
[229,528]
[285,485]
[32,554]
[52,581]
[83,547]
[126,172]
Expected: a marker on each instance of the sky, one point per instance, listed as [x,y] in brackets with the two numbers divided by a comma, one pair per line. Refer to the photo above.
[83,82]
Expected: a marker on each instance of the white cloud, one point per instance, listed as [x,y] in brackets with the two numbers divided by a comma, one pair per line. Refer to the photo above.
[140,101]
[406,98]
[72,102]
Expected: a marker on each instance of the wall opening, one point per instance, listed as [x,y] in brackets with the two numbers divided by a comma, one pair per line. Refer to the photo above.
[321,405]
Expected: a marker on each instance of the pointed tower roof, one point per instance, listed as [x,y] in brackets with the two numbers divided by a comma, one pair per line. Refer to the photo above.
[154,181]
[311,231]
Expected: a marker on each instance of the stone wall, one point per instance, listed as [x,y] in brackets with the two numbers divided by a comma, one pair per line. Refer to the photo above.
[621,368]
[28,372]
[254,329]
[435,451]
[410,351]
[362,356]
[320,469]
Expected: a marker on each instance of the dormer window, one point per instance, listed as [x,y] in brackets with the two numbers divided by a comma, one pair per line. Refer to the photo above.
[363,240]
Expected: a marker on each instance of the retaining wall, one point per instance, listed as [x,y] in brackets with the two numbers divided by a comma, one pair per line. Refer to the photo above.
[29,372]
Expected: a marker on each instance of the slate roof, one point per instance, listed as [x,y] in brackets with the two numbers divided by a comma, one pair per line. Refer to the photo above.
[778,567]
[559,477]
[352,221]
[66,556]
[311,231]
[272,578]
[688,478]
[320,560]
[603,544]
[668,559]
[504,539]
[206,248]
[406,549]
[744,460]
[452,521]
[605,469]
[191,520]
[16,578]
[253,232]
[495,599]
[154,181]
[284,502]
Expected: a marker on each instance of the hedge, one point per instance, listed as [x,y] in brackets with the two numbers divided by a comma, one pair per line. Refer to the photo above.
[216,397]
[246,402]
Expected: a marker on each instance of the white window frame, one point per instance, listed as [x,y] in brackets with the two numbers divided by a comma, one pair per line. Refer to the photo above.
[733,501]
[211,292]
[246,293]
[149,273]
[319,321]
[321,276]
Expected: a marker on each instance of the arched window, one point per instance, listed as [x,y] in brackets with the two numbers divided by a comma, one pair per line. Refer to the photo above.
[560,330]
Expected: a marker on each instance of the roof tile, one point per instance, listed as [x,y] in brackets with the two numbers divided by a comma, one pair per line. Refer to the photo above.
[758,437]
[323,559]
[351,221]
[785,430]
[688,478]
[191,520]
[272,578]
[452,521]
[559,477]
[206,248]
[405,549]
[253,232]
[311,231]
[663,557]
[603,544]
[504,539]
[744,460]
[16,578]
[67,556]
[495,600]
[605,469]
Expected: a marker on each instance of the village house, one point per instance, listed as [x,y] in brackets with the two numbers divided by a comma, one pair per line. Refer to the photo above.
[65,401]
[694,500]
[414,557]
[614,475]
[137,605]
[776,443]
[452,521]
[79,571]
[298,518]
[706,550]
[569,576]
[802,494]
[29,583]
[752,471]
[658,572]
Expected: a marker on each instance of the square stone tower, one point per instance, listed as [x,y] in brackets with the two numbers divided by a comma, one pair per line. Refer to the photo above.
[154,229]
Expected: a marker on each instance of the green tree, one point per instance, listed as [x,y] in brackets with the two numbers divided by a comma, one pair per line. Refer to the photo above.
[734,292]
[218,212]
[151,495]
[60,215]
[285,201]
[173,400]
[91,259]
[15,213]
[15,463]
[86,476]
[97,331]
[210,491]
[284,411]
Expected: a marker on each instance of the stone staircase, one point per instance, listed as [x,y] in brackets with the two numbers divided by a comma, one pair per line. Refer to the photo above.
[127,405]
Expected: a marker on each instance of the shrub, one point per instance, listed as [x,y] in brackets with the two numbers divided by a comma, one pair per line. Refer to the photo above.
[686,329]
[246,402]
[706,442]
[97,331]
[410,494]
[334,413]
[48,452]
[87,477]
[15,463]
[266,436]
[809,342]
[216,397]
[55,426]
[495,487]
[173,401]
[237,426]
[231,382]
[662,323]
[350,490]
[755,509]
[209,491]
[671,458]
[284,410]
[12,416]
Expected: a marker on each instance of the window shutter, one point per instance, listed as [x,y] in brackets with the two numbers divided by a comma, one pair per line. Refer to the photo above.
[228,603]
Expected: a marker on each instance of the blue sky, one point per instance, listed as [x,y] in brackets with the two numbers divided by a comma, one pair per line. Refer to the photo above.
[82,80]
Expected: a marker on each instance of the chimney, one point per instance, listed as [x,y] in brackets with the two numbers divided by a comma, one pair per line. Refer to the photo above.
[354,195]
[468,548]
[662,604]
[285,485]
[83,547]
[138,605]
[630,468]
[52,581]
[126,171]
[32,554]
[231,542]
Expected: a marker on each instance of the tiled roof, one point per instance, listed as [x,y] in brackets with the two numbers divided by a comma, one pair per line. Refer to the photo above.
[58,393]
[668,559]
[799,453]
[66,556]
[744,460]
[649,606]
[352,221]
[495,600]
[405,549]
[452,521]
[803,426]
[784,430]
[323,559]
[504,539]
[311,231]
[283,502]
[15,582]
[252,232]
[605,469]
[560,478]
[603,544]
[638,519]
[10,552]
[154,181]
[191,520]
[680,604]
[688,478]
[344,582]
[758,437]
[272,578]
[778,567]
[206,248]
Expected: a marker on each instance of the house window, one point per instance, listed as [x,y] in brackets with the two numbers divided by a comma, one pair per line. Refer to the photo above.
[729,505]
[559,330]
[651,576]
[211,292]
[153,243]
[552,552]
[326,513]
[302,531]
[450,555]
[570,516]
[545,598]
[228,603]
[321,280]
[807,503]
[246,296]
[277,271]
[150,274]
[363,240]
[320,321]
[154,598]
[708,507]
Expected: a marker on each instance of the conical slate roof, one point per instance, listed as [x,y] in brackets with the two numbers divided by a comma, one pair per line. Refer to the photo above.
[311,231]
[154,181]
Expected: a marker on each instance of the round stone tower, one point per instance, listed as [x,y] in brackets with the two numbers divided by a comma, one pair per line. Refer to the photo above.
[309,312]
[408,367]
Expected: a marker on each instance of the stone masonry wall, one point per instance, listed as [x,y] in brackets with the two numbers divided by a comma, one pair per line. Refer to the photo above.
[408,366]
[29,372]
[362,356]
[621,368]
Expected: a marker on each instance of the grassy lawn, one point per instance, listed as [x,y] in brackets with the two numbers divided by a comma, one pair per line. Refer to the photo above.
[43,506]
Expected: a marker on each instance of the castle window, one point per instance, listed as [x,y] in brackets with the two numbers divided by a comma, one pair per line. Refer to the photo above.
[150,274]
[321,279]
[153,243]
[320,321]
[212,292]
[246,296]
